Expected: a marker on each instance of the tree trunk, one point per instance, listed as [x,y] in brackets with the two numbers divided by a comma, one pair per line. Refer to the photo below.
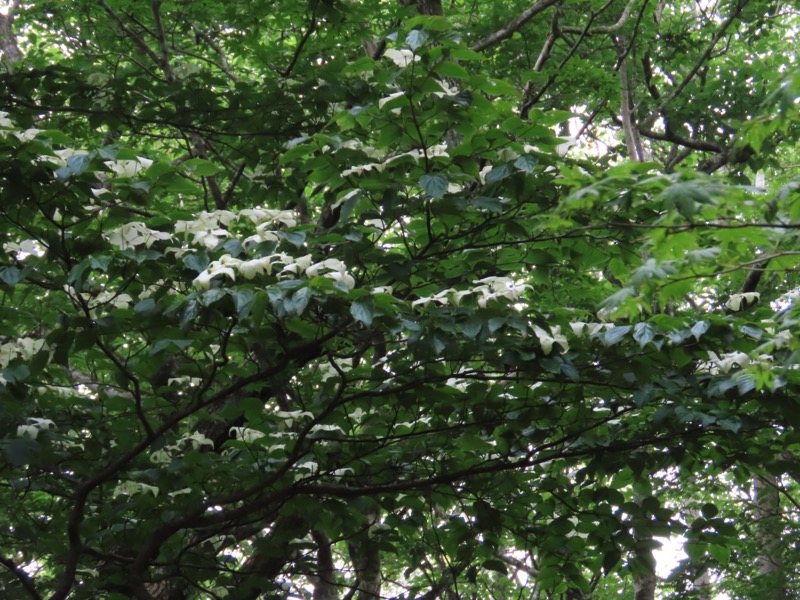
[325,581]
[366,558]
[768,534]
[8,41]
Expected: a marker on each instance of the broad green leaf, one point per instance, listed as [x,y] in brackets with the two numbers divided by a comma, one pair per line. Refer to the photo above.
[416,38]
[362,311]
[616,334]
[434,185]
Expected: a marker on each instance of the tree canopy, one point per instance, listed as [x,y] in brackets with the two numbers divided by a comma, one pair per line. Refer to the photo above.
[338,299]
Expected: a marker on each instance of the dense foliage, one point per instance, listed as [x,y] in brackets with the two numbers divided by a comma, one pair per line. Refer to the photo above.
[349,299]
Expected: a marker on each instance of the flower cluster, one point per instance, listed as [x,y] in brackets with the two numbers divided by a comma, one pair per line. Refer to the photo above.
[290,267]
[486,290]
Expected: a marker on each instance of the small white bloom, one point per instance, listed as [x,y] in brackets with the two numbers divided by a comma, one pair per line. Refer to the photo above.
[129,168]
[257,266]
[383,101]
[548,339]
[134,234]
[402,57]
[734,303]
[129,488]
[28,431]
[198,440]
[246,434]
[342,277]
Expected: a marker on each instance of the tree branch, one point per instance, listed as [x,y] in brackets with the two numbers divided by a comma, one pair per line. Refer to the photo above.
[507,31]
[137,39]
[312,25]
[696,68]
[161,36]
[24,579]
[626,13]
[223,61]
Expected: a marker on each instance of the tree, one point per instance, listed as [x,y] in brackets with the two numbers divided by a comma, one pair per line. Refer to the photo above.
[335,300]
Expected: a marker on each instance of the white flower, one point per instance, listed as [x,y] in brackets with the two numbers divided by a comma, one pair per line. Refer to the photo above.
[383,101]
[439,297]
[28,431]
[25,249]
[257,266]
[726,362]
[34,426]
[218,267]
[577,328]
[402,58]
[246,434]
[128,168]
[129,488]
[198,440]
[548,339]
[342,277]
[209,237]
[134,234]
[358,170]
[27,135]
[160,457]
[458,295]
[734,303]
[330,263]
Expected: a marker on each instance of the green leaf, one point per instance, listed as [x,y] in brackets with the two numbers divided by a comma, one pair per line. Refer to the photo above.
[616,334]
[610,560]
[644,333]
[362,311]
[416,38]
[497,173]
[434,185]
[201,167]
[699,328]
[494,564]
[450,69]
[617,298]
[721,554]
[243,300]
[526,163]
[10,275]
[196,261]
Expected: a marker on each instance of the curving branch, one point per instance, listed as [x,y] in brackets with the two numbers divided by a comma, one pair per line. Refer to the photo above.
[223,60]
[514,25]
[626,13]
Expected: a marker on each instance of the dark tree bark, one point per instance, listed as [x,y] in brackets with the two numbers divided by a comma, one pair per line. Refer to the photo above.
[8,41]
